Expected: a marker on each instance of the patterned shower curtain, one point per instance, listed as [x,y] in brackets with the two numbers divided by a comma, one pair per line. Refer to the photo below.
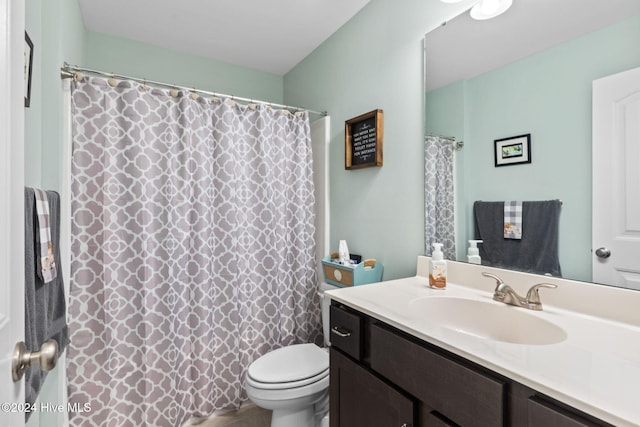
[192,250]
[439,196]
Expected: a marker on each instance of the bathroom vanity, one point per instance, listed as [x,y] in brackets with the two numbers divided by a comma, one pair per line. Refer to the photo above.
[398,360]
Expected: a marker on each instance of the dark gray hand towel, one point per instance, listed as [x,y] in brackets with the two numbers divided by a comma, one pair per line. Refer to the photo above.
[45,304]
[536,252]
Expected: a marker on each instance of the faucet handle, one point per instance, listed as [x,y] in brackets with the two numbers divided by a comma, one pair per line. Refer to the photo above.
[494,277]
[533,297]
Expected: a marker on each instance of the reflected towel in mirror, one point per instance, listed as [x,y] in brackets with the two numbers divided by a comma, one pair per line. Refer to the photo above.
[513,220]
[537,250]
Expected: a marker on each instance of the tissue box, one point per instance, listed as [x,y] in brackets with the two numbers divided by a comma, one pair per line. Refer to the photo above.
[367,271]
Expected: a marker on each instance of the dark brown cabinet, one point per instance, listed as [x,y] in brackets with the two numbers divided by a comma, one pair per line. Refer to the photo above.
[463,395]
[435,419]
[360,398]
[381,376]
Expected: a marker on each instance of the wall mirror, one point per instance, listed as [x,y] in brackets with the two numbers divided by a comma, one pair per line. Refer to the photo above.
[528,71]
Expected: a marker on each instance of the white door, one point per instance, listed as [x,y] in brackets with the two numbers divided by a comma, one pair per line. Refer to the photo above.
[11,205]
[616,180]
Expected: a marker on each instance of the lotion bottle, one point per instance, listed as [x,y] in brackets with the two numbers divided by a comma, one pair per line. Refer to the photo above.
[437,268]
[473,254]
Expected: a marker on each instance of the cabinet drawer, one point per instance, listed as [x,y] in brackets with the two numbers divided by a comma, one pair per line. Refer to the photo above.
[541,413]
[346,331]
[463,395]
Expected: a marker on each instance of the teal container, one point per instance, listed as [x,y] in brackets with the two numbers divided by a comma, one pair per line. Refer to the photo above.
[367,271]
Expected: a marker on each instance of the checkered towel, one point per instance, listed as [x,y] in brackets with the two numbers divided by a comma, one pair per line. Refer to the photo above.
[513,220]
[46,270]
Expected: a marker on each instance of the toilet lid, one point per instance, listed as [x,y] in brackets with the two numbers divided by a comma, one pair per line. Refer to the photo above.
[289,364]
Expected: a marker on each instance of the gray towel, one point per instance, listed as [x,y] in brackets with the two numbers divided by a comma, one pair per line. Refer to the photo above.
[536,252]
[45,306]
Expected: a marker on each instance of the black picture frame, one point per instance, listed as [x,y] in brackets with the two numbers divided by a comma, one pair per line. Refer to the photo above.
[28,69]
[514,150]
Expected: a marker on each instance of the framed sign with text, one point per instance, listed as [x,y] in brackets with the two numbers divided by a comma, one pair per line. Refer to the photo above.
[363,136]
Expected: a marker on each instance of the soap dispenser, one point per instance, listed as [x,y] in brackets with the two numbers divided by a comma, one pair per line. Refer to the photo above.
[438,268]
[473,254]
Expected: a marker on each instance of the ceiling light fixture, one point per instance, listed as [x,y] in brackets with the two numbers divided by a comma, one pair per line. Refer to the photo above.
[486,9]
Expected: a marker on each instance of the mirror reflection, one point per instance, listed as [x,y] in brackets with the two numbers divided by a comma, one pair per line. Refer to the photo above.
[529,72]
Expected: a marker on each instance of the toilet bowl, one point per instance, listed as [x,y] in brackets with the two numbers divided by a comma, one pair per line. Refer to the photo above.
[293,381]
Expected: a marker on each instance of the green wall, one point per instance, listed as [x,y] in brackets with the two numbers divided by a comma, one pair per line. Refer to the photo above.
[549,96]
[64,40]
[33,114]
[376,61]
[57,32]
[131,58]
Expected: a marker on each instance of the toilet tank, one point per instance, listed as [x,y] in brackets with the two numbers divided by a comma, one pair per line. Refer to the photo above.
[326,303]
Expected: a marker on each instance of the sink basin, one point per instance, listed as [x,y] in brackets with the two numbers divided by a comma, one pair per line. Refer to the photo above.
[485,320]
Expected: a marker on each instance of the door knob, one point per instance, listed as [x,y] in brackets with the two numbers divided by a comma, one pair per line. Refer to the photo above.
[46,357]
[603,253]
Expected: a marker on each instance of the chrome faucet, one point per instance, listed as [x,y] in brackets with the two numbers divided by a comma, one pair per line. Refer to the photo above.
[505,293]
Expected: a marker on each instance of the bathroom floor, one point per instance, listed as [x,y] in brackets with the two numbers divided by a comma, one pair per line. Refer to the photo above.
[246,416]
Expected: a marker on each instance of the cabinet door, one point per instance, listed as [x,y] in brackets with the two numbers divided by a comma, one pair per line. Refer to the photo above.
[541,413]
[435,419]
[462,394]
[359,398]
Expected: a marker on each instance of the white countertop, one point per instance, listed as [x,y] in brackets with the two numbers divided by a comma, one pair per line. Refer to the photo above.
[596,369]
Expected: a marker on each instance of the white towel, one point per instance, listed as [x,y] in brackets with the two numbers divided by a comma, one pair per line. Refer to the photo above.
[513,220]
[44,246]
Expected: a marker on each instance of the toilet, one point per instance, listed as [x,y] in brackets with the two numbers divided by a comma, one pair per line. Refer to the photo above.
[293,381]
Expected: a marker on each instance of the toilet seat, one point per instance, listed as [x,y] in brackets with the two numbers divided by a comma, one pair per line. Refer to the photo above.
[287,385]
[289,367]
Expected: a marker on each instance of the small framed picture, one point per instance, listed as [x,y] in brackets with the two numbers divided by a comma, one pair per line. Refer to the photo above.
[28,68]
[513,150]
[363,136]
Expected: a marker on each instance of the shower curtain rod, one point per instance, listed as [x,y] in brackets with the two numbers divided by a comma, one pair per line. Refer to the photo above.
[69,71]
[456,144]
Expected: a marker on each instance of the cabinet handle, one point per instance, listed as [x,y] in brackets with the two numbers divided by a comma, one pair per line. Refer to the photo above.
[336,330]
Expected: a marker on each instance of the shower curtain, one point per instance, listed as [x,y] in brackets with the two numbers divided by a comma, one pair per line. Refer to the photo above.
[439,196]
[192,250]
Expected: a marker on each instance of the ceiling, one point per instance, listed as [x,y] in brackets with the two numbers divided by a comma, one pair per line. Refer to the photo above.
[267,35]
[456,52]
